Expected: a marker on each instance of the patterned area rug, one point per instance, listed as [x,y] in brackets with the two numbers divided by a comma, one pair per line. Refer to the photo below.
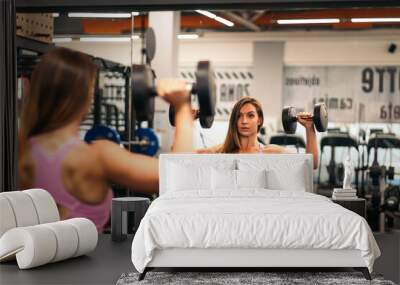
[225,278]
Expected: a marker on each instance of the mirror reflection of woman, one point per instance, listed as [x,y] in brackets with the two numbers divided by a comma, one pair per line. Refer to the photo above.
[245,122]
[53,157]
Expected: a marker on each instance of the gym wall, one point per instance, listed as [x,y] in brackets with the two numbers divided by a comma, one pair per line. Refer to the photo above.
[236,53]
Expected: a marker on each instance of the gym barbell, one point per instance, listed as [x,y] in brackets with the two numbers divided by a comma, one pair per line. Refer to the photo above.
[144,91]
[290,118]
[146,141]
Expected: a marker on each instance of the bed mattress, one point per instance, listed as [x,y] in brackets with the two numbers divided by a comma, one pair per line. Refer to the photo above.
[251,219]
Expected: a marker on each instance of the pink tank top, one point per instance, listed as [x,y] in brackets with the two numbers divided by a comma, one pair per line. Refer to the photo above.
[48,176]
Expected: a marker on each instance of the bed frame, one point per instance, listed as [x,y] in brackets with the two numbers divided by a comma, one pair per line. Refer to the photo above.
[247,258]
[243,259]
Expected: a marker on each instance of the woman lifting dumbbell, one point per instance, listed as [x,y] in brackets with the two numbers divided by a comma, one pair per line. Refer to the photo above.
[77,174]
[246,121]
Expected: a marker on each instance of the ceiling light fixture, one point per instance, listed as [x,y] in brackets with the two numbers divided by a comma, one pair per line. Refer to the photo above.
[376,20]
[102,15]
[307,21]
[188,36]
[105,39]
[216,18]
[120,39]
[62,40]
[109,39]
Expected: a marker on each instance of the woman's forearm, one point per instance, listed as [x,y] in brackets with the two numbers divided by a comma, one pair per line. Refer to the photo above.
[311,145]
[183,140]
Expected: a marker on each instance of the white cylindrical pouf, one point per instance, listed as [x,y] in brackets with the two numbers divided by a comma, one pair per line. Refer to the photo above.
[87,235]
[45,205]
[23,208]
[7,217]
[34,246]
[67,239]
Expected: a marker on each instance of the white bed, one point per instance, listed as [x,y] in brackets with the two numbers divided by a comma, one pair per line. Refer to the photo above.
[215,211]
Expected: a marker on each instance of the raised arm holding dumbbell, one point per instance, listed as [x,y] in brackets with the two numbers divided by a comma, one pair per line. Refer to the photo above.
[247,119]
[145,90]
[318,121]
[311,138]
[170,90]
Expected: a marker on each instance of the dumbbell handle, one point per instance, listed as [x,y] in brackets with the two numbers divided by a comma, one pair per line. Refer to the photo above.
[307,117]
[310,117]
[196,114]
[190,88]
[142,142]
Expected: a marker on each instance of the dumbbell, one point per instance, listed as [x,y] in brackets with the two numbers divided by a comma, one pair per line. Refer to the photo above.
[290,118]
[205,121]
[144,90]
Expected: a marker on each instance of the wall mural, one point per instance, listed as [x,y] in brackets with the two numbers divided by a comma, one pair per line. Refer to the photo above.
[369,94]
[232,84]
[352,94]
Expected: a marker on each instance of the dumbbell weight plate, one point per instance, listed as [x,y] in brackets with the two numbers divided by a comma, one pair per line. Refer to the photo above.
[101,132]
[143,92]
[150,44]
[171,115]
[206,122]
[320,117]
[289,120]
[206,88]
[148,135]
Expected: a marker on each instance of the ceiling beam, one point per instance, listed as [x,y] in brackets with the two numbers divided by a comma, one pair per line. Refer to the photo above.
[257,15]
[43,6]
[242,21]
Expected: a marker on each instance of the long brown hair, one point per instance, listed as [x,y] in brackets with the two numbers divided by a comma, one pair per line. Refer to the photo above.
[60,92]
[232,141]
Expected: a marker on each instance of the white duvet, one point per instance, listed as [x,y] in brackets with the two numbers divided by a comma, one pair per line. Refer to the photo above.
[253,218]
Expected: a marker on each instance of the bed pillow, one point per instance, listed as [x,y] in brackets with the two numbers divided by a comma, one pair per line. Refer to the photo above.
[291,180]
[223,179]
[184,177]
[282,173]
[251,178]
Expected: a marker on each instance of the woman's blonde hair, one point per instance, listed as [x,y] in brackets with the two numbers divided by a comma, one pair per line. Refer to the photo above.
[232,141]
[60,92]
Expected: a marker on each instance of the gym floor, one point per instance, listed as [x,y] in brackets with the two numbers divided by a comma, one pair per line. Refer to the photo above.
[102,266]
[110,259]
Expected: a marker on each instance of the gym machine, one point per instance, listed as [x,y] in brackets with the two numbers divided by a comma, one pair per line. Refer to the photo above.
[335,171]
[133,137]
[382,198]
[288,140]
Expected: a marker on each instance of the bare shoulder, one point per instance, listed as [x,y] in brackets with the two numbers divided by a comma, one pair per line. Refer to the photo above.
[89,158]
[83,155]
[273,148]
[106,151]
[213,149]
[100,146]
